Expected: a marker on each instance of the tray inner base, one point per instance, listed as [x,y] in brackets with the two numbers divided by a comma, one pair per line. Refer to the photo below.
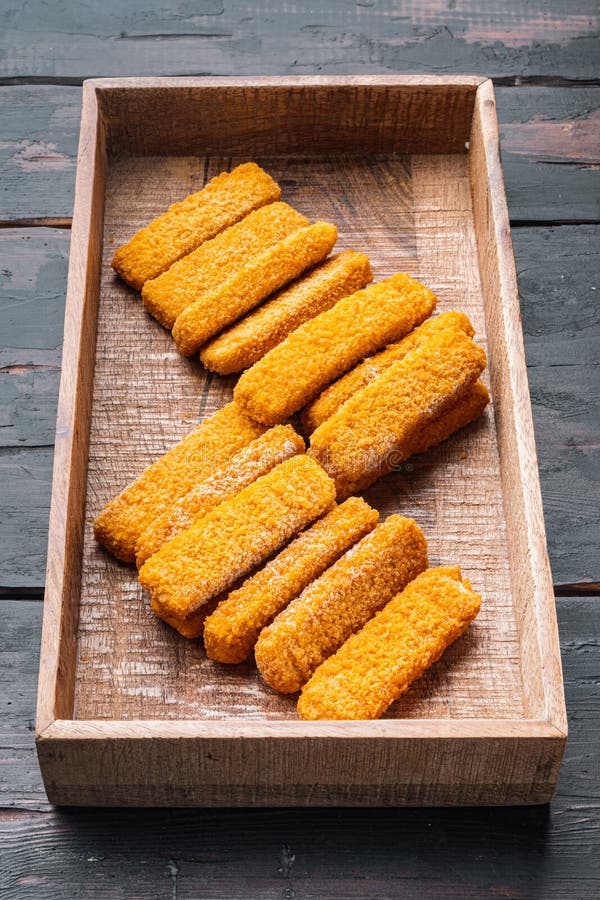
[409,213]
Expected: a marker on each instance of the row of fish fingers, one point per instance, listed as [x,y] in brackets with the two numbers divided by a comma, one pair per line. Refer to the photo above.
[242,534]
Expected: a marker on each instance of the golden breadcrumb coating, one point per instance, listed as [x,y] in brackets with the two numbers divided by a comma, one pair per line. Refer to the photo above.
[375,430]
[379,663]
[231,632]
[123,520]
[236,536]
[338,603]
[184,226]
[324,348]
[341,390]
[246,342]
[258,458]
[264,273]
[466,410]
[214,261]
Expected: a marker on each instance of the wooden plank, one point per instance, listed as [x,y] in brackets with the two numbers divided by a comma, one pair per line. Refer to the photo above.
[360,854]
[40,127]
[533,39]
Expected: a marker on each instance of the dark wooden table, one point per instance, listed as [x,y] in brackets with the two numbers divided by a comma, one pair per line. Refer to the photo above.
[544,58]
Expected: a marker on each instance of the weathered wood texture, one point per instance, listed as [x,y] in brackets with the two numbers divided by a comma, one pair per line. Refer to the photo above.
[314,854]
[221,37]
[553,265]
[550,140]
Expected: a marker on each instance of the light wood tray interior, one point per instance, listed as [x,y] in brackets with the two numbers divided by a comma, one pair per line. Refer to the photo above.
[409,213]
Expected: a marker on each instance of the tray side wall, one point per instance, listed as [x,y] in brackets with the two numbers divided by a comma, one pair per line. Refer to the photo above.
[530,567]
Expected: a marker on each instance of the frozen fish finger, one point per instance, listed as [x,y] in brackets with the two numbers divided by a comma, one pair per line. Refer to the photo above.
[235,536]
[246,342]
[345,387]
[322,349]
[214,261]
[231,632]
[338,603]
[379,663]
[378,427]
[213,442]
[465,411]
[258,458]
[184,226]
[265,273]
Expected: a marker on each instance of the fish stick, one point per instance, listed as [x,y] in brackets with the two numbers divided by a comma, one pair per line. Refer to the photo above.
[319,351]
[338,603]
[246,342]
[184,226]
[123,520]
[214,261]
[466,410]
[341,390]
[231,632]
[379,663]
[235,536]
[263,274]
[378,427]
[258,458]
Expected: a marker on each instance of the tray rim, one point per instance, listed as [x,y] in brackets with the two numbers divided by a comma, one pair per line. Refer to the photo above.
[52,722]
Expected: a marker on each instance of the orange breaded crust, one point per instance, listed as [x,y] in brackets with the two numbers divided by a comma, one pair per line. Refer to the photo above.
[244,344]
[123,520]
[265,273]
[236,536]
[379,663]
[341,390]
[232,630]
[324,348]
[217,260]
[376,429]
[465,410]
[338,603]
[184,226]
[258,458]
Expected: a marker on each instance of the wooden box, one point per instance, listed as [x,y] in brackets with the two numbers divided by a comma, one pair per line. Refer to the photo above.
[129,712]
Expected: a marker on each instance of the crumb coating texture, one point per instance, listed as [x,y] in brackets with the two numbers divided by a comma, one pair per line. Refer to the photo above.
[214,261]
[341,390]
[338,603]
[231,632]
[319,351]
[246,342]
[226,199]
[236,536]
[258,458]
[376,429]
[379,663]
[211,444]
[466,410]
[265,273]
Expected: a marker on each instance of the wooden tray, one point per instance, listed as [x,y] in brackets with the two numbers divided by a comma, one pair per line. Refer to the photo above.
[131,713]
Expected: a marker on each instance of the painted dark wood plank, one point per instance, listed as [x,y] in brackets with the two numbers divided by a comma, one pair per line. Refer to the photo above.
[61,40]
[518,852]
[550,139]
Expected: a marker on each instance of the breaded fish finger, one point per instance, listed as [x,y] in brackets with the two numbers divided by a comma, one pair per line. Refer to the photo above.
[214,261]
[379,663]
[466,410]
[322,349]
[246,342]
[338,603]
[232,630]
[345,387]
[378,427]
[213,442]
[263,274]
[258,458]
[184,226]
[235,536]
